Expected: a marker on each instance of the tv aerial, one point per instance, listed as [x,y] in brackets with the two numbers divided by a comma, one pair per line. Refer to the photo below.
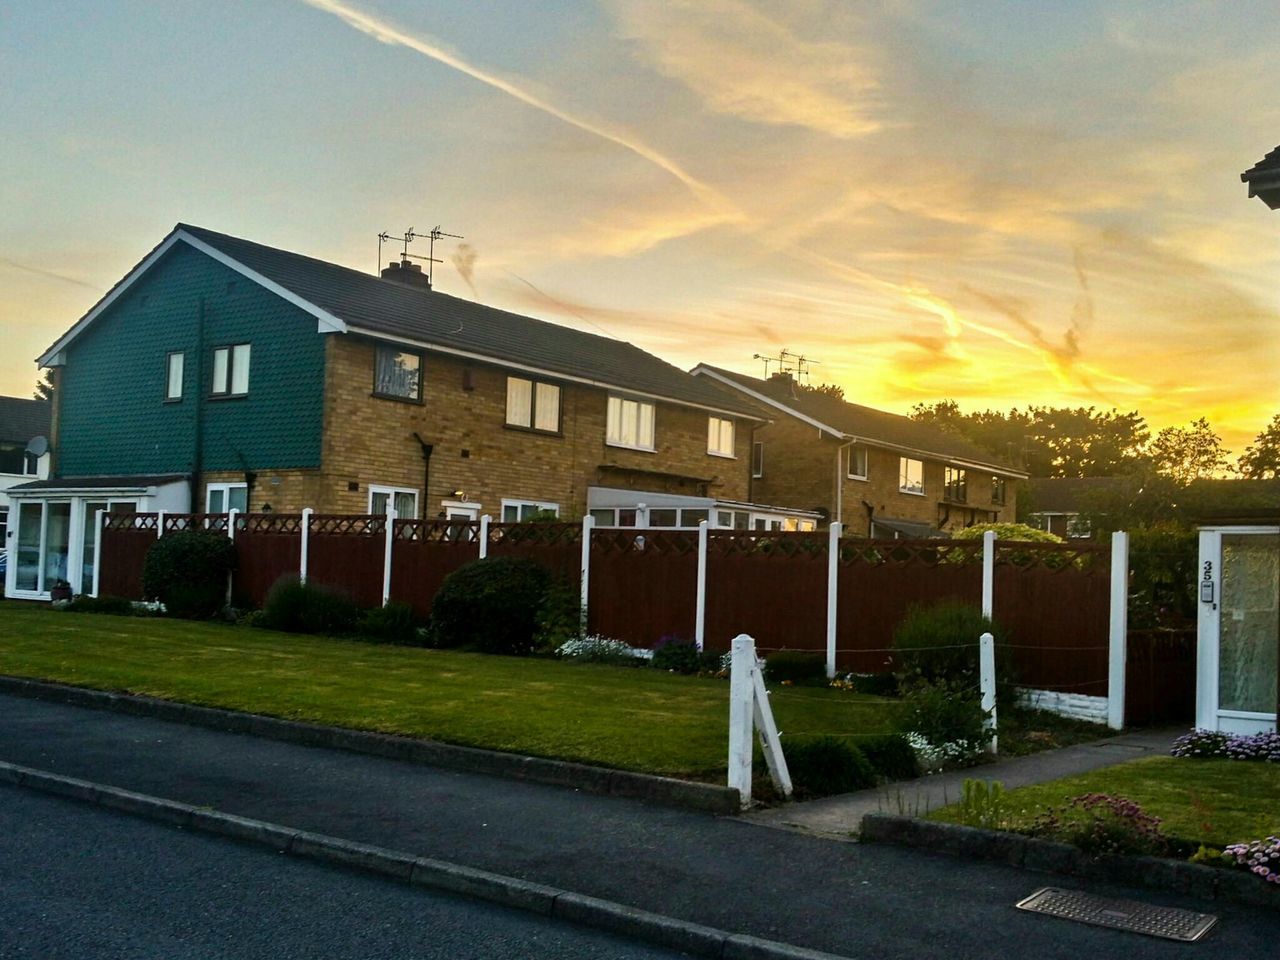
[410,235]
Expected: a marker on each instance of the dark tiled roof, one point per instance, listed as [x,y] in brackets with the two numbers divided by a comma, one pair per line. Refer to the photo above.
[100,483]
[21,419]
[379,306]
[866,423]
[1066,494]
[1269,164]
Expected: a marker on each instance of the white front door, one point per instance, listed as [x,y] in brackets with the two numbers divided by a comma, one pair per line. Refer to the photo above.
[1239,629]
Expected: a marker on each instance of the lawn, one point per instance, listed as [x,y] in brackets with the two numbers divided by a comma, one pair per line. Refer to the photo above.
[1216,802]
[629,718]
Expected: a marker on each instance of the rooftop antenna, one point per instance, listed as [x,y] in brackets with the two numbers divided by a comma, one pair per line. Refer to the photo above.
[407,238]
[796,364]
[435,234]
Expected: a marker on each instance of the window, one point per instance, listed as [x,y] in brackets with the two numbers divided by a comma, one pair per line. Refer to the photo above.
[630,424]
[4,527]
[173,382]
[1078,527]
[397,374]
[663,517]
[692,518]
[911,476]
[30,464]
[955,485]
[719,437]
[857,463]
[757,459]
[533,405]
[733,520]
[998,491]
[231,371]
[404,499]
[225,497]
[514,511]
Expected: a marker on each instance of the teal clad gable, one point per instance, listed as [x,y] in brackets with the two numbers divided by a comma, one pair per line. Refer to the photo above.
[113,416]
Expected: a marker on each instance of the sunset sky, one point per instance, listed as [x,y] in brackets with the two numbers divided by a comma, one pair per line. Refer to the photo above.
[998,202]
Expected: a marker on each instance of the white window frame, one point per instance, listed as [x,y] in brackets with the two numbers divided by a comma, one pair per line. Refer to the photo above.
[956,477]
[173,384]
[620,407]
[225,489]
[540,507]
[851,469]
[757,459]
[392,493]
[904,477]
[236,357]
[536,387]
[716,437]
[378,352]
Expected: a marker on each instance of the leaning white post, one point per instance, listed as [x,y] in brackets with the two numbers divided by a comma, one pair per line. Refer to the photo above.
[97,547]
[1119,638]
[770,741]
[305,545]
[987,673]
[833,589]
[231,535]
[700,617]
[484,536]
[741,700]
[584,576]
[988,573]
[386,551]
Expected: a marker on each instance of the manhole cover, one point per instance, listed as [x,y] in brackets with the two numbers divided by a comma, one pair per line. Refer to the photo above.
[1168,922]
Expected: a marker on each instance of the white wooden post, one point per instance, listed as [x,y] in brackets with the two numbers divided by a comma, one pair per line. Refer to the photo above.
[770,741]
[159,524]
[833,590]
[988,573]
[741,697]
[386,551]
[231,535]
[97,548]
[305,545]
[987,673]
[484,536]
[1119,638]
[584,577]
[700,617]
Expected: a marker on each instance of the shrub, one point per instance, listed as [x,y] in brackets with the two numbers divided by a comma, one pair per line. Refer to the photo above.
[1263,746]
[393,623]
[823,766]
[490,605]
[678,656]
[891,756]
[560,616]
[796,666]
[299,607]
[1007,531]
[1103,826]
[940,643]
[118,606]
[187,572]
[944,722]
[595,649]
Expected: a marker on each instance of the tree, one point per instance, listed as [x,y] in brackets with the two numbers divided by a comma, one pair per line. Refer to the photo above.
[44,387]
[1188,453]
[824,389]
[1261,459]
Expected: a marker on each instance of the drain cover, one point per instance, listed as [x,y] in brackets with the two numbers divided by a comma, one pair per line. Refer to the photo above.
[1135,916]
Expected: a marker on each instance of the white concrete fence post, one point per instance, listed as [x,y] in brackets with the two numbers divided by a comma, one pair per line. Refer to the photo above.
[833,591]
[159,524]
[386,550]
[1119,635]
[98,516]
[304,546]
[584,576]
[484,535]
[987,683]
[749,710]
[232,514]
[988,573]
[700,616]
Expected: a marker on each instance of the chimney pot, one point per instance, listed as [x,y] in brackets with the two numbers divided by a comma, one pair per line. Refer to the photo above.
[406,272]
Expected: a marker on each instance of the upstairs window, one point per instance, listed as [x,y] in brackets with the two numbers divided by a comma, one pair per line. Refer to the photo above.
[956,485]
[719,437]
[231,371]
[998,491]
[630,423]
[857,463]
[173,376]
[911,476]
[533,405]
[397,374]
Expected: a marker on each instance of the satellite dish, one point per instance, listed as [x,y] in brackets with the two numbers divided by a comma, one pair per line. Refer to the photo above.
[38,446]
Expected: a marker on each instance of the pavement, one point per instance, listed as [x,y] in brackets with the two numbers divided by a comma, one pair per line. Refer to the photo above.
[840,817]
[845,898]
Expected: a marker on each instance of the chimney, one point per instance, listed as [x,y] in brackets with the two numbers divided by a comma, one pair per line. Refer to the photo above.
[406,272]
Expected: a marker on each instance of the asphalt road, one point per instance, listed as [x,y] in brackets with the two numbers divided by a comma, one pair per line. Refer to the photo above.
[80,882]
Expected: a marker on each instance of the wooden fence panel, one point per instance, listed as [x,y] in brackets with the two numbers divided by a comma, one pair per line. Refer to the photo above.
[644,585]
[126,538]
[772,586]
[1160,677]
[1054,603]
[880,580]
[346,554]
[423,553]
[556,546]
[268,547]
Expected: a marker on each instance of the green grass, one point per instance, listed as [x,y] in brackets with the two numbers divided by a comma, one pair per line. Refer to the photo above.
[624,717]
[1215,802]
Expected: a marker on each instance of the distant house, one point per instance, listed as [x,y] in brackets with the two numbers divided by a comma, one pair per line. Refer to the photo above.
[1060,505]
[881,474]
[223,374]
[21,421]
[1263,179]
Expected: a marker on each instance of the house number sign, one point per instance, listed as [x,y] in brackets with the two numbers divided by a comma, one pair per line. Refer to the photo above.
[1206,583]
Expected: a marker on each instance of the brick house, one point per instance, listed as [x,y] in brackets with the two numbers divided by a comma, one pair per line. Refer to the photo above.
[881,474]
[221,373]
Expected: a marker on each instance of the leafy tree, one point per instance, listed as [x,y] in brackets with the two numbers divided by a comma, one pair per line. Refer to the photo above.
[824,389]
[1188,453]
[44,387]
[1261,459]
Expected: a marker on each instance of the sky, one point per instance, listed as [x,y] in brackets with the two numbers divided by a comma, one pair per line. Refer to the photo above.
[1000,203]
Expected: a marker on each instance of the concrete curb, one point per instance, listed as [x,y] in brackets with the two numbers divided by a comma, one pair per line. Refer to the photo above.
[1033,853]
[440,875]
[667,791]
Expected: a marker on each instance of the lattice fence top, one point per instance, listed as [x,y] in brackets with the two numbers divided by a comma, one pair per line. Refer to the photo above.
[910,553]
[754,543]
[131,521]
[345,525]
[1088,558]
[538,532]
[437,531]
[656,543]
[214,522]
[269,523]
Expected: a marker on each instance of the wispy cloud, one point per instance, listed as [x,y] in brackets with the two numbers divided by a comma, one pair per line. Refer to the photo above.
[51,274]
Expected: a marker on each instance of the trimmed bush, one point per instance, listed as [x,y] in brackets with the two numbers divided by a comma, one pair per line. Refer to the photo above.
[188,571]
[796,666]
[676,655]
[298,607]
[890,756]
[116,606]
[824,766]
[559,617]
[875,684]
[491,605]
[1007,531]
[944,720]
[940,643]
[393,623]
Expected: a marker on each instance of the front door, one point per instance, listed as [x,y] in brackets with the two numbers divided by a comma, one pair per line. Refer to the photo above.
[1239,631]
